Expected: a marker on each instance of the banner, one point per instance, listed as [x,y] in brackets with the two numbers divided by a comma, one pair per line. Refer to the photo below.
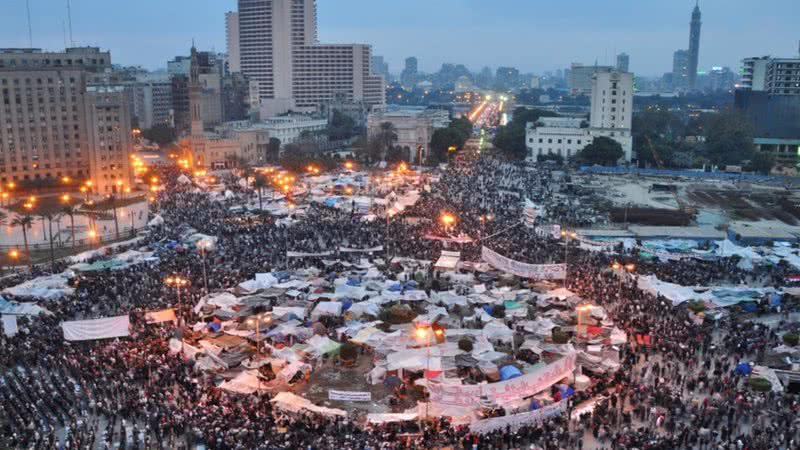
[504,391]
[350,396]
[517,421]
[84,330]
[460,239]
[304,255]
[520,269]
[361,250]
[165,315]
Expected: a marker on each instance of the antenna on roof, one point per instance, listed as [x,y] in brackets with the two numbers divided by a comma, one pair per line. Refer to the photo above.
[64,30]
[69,19]
[30,29]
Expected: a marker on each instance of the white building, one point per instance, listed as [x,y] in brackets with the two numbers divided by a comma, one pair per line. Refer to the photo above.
[232,41]
[612,108]
[414,127]
[563,136]
[611,116]
[279,50]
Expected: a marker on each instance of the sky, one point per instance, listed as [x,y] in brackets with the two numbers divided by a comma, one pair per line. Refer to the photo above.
[531,35]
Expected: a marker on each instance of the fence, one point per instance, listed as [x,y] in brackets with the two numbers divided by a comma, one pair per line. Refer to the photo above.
[687,173]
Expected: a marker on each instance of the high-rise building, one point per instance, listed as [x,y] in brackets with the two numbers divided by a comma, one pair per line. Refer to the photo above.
[612,108]
[680,70]
[409,76]
[580,77]
[279,51]
[57,123]
[152,100]
[623,62]
[232,41]
[380,67]
[694,47]
[506,78]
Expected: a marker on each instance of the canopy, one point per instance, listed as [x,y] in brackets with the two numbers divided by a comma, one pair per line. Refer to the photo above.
[509,372]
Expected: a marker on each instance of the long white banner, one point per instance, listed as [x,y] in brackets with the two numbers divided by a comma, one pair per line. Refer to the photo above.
[517,421]
[85,330]
[504,391]
[524,270]
[361,250]
[350,396]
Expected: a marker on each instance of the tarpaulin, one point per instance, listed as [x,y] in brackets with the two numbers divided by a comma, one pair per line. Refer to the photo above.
[165,315]
[294,403]
[10,325]
[84,330]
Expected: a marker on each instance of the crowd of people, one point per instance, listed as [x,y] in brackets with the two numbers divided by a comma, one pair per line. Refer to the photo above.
[678,392]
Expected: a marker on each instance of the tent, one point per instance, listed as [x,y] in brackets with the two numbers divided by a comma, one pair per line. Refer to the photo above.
[743,368]
[294,403]
[509,372]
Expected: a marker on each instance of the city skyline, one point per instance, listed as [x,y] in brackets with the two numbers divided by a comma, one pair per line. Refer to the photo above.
[732,30]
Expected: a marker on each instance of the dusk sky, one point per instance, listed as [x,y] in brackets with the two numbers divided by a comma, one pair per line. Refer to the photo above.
[532,35]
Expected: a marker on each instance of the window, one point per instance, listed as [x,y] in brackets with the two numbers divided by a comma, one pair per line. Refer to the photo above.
[549,141]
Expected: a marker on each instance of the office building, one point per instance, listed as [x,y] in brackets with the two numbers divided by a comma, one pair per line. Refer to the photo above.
[623,62]
[279,51]
[769,96]
[611,117]
[580,77]
[680,70]
[232,42]
[410,74]
[380,67]
[56,123]
[720,79]
[152,100]
[694,47]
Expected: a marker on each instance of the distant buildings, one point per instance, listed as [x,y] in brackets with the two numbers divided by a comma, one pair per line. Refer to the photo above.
[611,116]
[506,78]
[82,124]
[680,70]
[580,77]
[623,62]
[279,51]
[380,67]
[694,47]
[232,42]
[414,127]
[152,100]
[769,96]
[410,74]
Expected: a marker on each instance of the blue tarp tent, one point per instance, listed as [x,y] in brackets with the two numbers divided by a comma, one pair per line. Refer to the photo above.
[331,202]
[509,372]
[353,282]
[566,390]
[346,303]
[750,307]
[775,300]
[397,287]
[534,405]
[214,326]
[743,369]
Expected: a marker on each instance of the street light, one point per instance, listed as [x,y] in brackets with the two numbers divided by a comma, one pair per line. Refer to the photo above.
[567,235]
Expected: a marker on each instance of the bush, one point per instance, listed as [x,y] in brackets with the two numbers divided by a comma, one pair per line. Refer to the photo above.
[348,352]
[791,339]
[397,314]
[465,344]
[760,384]
[559,336]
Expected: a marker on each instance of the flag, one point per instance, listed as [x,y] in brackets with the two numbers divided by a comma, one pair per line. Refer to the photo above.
[529,213]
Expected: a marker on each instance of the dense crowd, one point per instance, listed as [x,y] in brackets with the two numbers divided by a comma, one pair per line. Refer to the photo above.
[677,392]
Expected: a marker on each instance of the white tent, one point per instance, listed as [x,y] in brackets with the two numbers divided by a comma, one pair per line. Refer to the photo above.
[326,309]
[294,403]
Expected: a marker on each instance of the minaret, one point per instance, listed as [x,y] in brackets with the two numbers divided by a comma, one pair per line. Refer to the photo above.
[196,134]
[694,46]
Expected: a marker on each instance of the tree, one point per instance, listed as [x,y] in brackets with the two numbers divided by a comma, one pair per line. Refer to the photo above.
[24,222]
[762,163]
[273,149]
[161,134]
[463,126]
[729,138]
[70,211]
[601,151]
[387,136]
[341,126]
[259,184]
[441,141]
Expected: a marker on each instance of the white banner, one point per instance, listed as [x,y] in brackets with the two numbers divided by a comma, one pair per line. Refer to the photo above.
[361,250]
[524,270]
[165,315]
[504,391]
[350,396]
[84,330]
[10,325]
[517,421]
[304,255]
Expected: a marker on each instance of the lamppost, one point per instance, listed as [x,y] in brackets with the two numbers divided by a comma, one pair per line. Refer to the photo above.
[178,282]
[484,218]
[567,235]
[422,333]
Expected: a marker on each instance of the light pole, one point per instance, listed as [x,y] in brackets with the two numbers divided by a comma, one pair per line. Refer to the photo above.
[179,282]
[422,333]
[567,235]
[484,218]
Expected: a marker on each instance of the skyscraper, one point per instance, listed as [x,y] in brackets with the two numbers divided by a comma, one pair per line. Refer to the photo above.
[232,41]
[680,70]
[694,47]
[408,78]
[623,62]
[279,51]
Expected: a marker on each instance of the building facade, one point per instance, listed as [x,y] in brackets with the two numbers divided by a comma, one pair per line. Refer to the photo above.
[232,41]
[680,70]
[580,77]
[410,74]
[694,47]
[414,128]
[152,101]
[53,124]
[562,136]
[279,51]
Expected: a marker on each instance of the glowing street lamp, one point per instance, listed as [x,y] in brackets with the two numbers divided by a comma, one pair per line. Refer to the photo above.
[348,165]
[448,220]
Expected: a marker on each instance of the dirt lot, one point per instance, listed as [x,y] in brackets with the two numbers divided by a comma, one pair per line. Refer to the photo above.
[743,205]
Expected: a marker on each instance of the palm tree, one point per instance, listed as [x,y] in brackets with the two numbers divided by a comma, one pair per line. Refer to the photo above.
[259,184]
[50,217]
[25,222]
[70,211]
[113,199]
[387,136]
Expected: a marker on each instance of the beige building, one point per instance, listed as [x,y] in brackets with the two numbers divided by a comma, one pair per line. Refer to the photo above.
[278,50]
[54,124]
[414,128]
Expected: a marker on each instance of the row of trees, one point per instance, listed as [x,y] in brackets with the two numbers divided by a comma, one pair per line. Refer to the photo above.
[26,221]
[511,138]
